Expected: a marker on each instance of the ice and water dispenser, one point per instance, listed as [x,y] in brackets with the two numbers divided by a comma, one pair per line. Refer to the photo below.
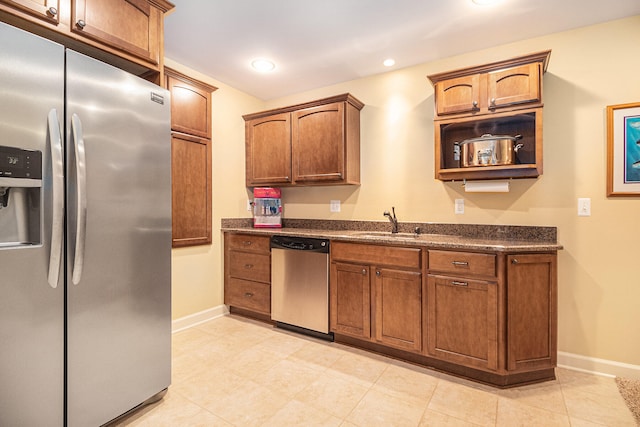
[20,205]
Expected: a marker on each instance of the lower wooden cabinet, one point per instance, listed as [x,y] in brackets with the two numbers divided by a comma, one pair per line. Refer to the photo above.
[247,272]
[379,302]
[463,321]
[398,308]
[532,311]
[487,316]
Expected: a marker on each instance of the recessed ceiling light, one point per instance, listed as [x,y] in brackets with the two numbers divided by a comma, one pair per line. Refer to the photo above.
[262,65]
[390,62]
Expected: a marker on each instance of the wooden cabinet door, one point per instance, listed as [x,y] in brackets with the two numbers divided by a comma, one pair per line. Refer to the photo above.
[458,95]
[132,26]
[318,143]
[350,300]
[532,311]
[191,190]
[398,308]
[463,321]
[190,105]
[268,150]
[516,85]
[47,10]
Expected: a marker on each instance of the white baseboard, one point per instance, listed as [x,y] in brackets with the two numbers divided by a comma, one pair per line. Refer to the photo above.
[597,366]
[194,319]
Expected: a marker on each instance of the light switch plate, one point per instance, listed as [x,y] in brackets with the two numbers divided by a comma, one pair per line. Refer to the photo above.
[334,206]
[584,207]
[459,206]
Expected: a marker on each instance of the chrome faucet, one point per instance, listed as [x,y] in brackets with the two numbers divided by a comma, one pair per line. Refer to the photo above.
[392,219]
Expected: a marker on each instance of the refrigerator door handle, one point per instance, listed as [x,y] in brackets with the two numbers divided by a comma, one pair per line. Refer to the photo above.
[81,190]
[57,174]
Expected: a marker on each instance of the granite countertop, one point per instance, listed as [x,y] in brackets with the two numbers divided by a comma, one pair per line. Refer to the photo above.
[439,236]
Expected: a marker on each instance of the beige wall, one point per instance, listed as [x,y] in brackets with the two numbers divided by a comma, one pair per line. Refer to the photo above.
[599,285]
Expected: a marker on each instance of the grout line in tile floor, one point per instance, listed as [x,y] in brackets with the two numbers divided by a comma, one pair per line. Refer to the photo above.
[233,371]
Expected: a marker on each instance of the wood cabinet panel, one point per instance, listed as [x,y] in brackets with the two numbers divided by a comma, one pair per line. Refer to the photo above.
[130,25]
[513,86]
[350,297]
[318,143]
[531,311]
[379,255]
[190,104]
[398,308]
[249,243]
[47,10]
[458,95]
[463,321]
[268,150]
[462,263]
[191,190]
[249,295]
[250,266]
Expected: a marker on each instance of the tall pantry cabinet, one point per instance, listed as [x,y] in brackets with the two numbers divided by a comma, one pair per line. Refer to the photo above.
[190,159]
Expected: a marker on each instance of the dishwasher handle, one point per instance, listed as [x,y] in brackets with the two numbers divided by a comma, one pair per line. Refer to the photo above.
[300,244]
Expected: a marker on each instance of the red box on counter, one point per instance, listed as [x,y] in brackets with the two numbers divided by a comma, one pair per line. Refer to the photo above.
[267,207]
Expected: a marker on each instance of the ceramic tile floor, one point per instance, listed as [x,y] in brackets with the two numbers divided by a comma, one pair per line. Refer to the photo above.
[232,371]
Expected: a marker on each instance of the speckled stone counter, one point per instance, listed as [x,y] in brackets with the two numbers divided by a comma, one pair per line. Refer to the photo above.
[498,238]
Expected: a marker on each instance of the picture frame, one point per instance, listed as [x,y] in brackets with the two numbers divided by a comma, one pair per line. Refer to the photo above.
[623,150]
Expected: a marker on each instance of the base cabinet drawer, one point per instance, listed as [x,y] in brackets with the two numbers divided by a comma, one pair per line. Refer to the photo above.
[249,266]
[249,295]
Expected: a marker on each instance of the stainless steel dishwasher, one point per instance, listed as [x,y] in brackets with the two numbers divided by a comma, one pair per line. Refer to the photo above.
[300,284]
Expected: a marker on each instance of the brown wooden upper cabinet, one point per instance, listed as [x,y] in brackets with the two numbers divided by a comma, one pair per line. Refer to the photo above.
[190,159]
[500,98]
[47,10]
[492,87]
[106,29]
[190,104]
[316,143]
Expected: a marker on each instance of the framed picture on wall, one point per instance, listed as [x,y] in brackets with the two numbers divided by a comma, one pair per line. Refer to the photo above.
[623,150]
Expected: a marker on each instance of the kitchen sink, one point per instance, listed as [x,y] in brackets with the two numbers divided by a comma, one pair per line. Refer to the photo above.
[388,234]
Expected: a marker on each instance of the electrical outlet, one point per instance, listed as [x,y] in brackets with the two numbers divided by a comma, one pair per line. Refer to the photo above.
[249,205]
[334,206]
[584,207]
[459,206]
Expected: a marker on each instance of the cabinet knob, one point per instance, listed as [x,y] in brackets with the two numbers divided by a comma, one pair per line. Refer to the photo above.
[248,294]
[378,273]
[364,271]
[514,261]
[456,283]
[475,104]
[81,24]
[492,102]
[53,11]
[248,266]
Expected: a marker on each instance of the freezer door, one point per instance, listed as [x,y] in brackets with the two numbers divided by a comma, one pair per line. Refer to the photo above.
[119,241]
[31,309]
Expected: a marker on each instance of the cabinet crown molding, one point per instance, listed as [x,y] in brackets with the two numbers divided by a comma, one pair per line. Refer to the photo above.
[345,97]
[542,57]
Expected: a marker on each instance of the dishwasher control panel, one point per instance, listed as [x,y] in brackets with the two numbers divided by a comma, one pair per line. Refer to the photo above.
[300,243]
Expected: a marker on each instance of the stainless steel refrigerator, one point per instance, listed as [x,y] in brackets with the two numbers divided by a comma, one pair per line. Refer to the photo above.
[85,236]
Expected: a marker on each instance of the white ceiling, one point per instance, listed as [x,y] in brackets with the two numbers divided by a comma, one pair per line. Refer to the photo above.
[316,43]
